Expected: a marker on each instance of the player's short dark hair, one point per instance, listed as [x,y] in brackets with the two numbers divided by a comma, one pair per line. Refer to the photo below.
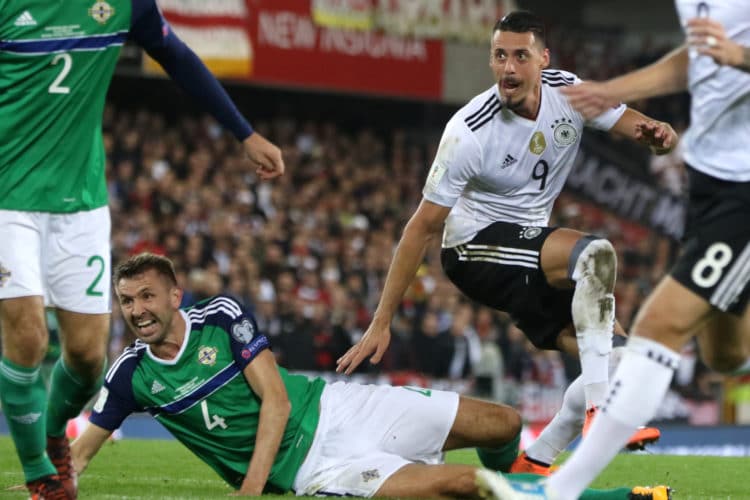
[522,21]
[139,264]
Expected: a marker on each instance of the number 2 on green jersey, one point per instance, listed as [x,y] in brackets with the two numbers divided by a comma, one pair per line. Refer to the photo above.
[56,86]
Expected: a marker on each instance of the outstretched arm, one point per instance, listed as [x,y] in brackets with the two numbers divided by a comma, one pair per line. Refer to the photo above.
[666,76]
[155,35]
[659,136]
[425,225]
[263,377]
[87,445]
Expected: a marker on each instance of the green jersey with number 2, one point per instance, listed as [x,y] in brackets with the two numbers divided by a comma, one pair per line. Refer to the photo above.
[56,63]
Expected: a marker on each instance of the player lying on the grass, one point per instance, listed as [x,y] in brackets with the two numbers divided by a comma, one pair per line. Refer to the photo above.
[208,376]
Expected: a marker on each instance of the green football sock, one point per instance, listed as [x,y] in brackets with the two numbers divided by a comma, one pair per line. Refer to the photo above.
[588,494]
[23,398]
[502,458]
[68,393]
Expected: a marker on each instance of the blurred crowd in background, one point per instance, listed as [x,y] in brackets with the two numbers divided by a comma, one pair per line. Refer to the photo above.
[308,253]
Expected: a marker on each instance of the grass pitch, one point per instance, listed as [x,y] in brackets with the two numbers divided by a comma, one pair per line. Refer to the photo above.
[133,469]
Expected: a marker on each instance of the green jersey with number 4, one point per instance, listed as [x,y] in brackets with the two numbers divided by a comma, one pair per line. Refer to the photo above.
[56,63]
[204,400]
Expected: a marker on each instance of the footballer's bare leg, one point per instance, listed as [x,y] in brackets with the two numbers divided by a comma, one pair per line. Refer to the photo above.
[84,342]
[24,330]
[482,424]
[494,429]
[431,481]
[723,343]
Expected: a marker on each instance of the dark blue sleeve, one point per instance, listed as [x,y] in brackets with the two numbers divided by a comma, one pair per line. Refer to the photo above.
[246,341]
[152,32]
[245,348]
[116,400]
[223,311]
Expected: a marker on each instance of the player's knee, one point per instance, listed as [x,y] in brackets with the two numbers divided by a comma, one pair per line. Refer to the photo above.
[25,338]
[506,424]
[514,424]
[86,363]
[597,260]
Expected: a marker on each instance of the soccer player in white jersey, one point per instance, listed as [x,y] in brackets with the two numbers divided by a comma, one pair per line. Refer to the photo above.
[502,161]
[706,293]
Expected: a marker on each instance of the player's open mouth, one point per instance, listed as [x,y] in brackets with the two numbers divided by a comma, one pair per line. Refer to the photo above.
[145,325]
[510,85]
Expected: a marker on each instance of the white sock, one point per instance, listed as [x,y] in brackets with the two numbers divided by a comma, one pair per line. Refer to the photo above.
[564,427]
[594,353]
[567,423]
[638,388]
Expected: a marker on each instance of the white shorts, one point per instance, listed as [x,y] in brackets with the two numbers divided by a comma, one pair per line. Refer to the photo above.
[368,432]
[63,257]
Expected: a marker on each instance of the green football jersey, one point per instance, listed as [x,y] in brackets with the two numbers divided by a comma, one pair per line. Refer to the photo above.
[203,398]
[56,63]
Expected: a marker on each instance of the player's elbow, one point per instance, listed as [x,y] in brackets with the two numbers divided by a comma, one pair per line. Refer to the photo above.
[281,407]
[424,228]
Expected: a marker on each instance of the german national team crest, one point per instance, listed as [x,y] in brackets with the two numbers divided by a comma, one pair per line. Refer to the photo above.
[243,332]
[207,355]
[101,11]
[537,144]
[530,233]
[564,133]
[4,275]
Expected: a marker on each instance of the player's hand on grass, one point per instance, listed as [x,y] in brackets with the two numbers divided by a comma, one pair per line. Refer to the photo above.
[708,37]
[591,99]
[264,155]
[247,490]
[375,340]
[659,136]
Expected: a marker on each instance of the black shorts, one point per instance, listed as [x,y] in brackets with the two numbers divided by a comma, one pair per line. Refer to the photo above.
[714,261]
[501,268]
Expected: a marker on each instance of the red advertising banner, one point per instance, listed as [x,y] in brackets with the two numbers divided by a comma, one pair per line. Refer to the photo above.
[277,42]
[289,48]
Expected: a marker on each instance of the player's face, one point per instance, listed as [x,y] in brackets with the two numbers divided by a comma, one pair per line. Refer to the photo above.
[148,303]
[517,60]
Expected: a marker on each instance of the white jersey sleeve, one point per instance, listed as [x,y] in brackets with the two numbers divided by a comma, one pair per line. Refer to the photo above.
[458,159]
[606,120]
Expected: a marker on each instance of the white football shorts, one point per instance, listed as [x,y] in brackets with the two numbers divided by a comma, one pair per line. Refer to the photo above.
[368,432]
[63,257]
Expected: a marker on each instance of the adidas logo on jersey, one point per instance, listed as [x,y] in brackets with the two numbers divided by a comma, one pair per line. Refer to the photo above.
[509,160]
[25,19]
[156,387]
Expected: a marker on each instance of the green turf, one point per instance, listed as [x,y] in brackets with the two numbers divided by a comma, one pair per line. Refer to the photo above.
[163,469]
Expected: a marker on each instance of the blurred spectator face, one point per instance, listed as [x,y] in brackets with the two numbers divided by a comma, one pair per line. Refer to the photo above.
[286,283]
[517,60]
[430,325]
[461,320]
